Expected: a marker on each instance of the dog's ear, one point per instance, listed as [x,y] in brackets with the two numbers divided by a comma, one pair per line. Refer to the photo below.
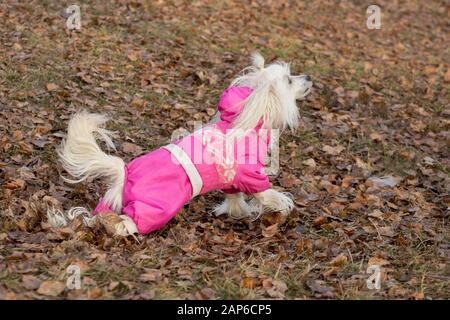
[257,60]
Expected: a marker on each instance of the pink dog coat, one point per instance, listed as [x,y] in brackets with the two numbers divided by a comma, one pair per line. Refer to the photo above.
[159,183]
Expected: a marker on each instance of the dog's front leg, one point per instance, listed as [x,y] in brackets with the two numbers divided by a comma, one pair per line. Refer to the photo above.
[272,200]
[234,205]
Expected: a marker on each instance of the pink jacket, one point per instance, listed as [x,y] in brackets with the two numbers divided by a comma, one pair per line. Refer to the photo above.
[159,183]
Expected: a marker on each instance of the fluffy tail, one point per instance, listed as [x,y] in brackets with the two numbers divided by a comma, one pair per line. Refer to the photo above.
[81,156]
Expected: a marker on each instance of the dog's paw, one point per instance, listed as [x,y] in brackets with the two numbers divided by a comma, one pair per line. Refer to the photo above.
[235,207]
[275,201]
[285,203]
[117,225]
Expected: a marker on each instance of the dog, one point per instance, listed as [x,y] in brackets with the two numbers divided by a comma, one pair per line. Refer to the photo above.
[227,154]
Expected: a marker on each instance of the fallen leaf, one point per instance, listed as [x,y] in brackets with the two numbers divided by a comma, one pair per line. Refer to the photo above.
[334,151]
[270,231]
[139,104]
[51,288]
[418,295]
[377,261]
[347,181]
[18,135]
[206,293]
[52,87]
[131,148]
[31,282]
[339,261]
[15,184]
[320,220]
[382,182]
[274,288]
[386,231]
[330,272]
[320,287]
[95,293]
[133,56]
[447,76]
[375,136]
[151,275]
[376,214]
[248,283]
[304,245]
[310,163]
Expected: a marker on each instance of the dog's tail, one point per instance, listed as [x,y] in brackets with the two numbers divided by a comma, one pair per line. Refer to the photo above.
[82,157]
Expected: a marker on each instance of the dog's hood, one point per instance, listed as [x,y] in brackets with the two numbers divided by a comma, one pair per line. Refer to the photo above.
[231,102]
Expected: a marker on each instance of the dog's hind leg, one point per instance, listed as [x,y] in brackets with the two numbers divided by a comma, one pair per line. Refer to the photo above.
[117,225]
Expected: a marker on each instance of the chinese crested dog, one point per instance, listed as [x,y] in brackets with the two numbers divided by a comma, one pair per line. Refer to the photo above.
[228,154]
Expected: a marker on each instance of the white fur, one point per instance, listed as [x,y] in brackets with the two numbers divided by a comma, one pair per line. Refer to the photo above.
[257,60]
[273,98]
[235,206]
[126,227]
[88,219]
[272,200]
[81,156]
[57,218]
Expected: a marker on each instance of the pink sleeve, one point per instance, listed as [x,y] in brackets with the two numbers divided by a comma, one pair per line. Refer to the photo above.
[251,179]
[231,190]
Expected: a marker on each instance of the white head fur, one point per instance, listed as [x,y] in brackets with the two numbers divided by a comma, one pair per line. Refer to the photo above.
[273,98]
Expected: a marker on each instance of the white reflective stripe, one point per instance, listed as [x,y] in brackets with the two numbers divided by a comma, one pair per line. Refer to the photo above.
[186,163]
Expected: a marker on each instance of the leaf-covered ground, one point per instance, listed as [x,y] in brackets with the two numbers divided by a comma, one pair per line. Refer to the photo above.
[380,108]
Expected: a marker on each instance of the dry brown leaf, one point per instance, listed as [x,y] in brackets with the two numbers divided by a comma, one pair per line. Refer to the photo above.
[51,288]
[133,56]
[151,275]
[377,261]
[376,214]
[131,148]
[320,220]
[95,293]
[274,288]
[18,135]
[304,245]
[31,282]
[447,76]
[386,231]
[334,151]
[330,272]
[52,87]
[206,293]
[15,184]
[310,163]
[339,261]
[248,283]
[375,136]
[139,104]
[270,231]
